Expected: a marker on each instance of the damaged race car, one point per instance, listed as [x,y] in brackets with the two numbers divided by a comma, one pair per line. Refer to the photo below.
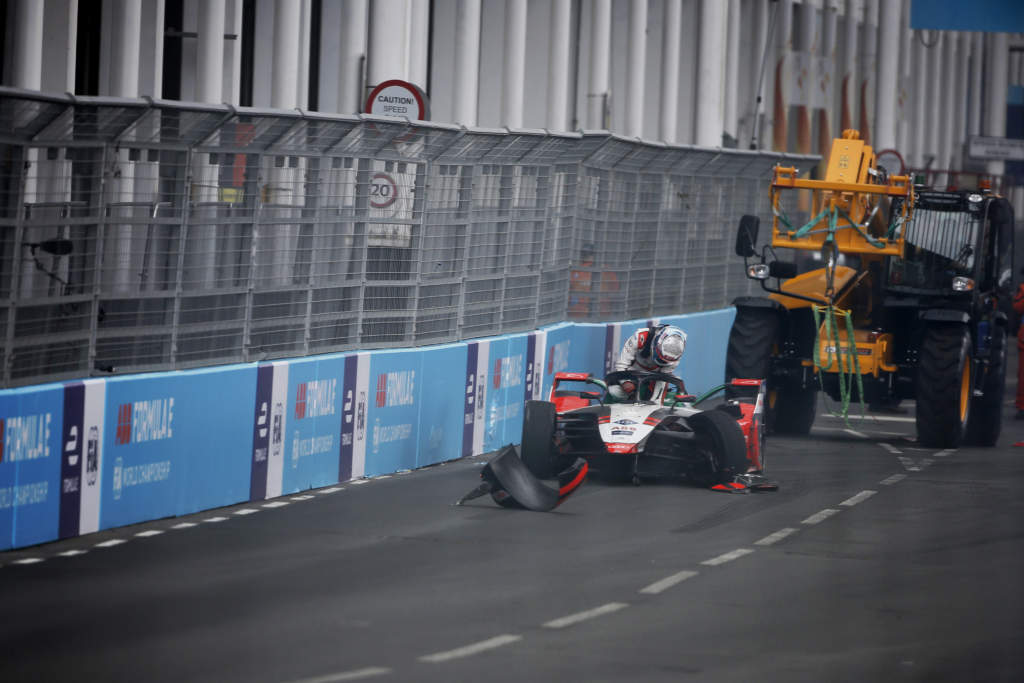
[658,432]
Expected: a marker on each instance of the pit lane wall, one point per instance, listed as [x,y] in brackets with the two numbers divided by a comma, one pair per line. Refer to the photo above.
[82,456]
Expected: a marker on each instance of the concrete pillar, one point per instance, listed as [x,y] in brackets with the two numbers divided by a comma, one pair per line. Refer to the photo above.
[636,61]
[780,95]
[514,66]
[960,84]
[933,100]
[977,89]
[151,52]
[887,74]
[919,100]
[904,105]
[848,80]
[124,54]
[996,77]
[210,79]
[600,61]
[386,55]
[27,69]
[829,20]
[711,73]
[732,69]
[351,97]
[60,21]
[305,19]
[804,42]
[284,85]
[558,65]
[761,66]
[869,67]
[232,92]
[668,115]
[467,62]
[419,41]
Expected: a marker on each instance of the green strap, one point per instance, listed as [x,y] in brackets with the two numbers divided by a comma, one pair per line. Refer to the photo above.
[833,214]
[852,364]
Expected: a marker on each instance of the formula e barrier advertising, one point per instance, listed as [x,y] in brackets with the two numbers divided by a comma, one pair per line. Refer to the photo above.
[440,433]
[31,457]
[176,443]
[312,431]
[506,377]
[571,348]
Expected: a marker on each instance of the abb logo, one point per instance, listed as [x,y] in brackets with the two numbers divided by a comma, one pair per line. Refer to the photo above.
[123,435]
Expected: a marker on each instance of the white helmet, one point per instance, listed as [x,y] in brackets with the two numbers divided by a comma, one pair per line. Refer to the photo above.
[668,345]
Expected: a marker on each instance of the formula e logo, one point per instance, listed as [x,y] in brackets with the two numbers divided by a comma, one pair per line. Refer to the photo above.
[118,471]
[25,437]
[558,357]
[315,398]
[508,371]
[143,421]
[396,388]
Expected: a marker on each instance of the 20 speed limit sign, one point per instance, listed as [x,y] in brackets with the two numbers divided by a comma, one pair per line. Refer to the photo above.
[383,190]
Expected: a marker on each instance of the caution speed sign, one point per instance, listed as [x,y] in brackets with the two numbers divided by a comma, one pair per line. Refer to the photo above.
[383,190]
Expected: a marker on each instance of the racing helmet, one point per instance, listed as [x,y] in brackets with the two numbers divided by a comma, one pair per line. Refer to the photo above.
[668,345]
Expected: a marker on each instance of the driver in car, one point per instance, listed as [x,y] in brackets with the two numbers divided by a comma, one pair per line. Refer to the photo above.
[650,349]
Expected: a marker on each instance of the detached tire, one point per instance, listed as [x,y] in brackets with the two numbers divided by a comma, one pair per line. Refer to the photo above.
[986,418]
[753,336]
[944,384]
[537,446]
[721,437]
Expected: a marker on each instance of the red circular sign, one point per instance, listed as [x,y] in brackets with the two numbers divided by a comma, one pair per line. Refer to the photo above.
[383,190]
[398,98]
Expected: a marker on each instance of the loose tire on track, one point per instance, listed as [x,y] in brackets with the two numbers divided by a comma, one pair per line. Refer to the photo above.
[944,386]
[987,410]
[753,336]
[537,446]
[721,437]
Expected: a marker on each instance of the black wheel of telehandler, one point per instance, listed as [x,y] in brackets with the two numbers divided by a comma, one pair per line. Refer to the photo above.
[537,446]
[944,384]
[987,410]
[721,438]
[795,408]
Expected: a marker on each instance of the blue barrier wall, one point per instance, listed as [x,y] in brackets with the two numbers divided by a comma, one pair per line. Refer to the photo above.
[82,456]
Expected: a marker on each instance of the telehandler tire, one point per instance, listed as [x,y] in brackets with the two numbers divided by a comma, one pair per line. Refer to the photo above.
[944,384]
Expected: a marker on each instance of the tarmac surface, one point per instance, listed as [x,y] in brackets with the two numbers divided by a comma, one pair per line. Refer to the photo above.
[876,560]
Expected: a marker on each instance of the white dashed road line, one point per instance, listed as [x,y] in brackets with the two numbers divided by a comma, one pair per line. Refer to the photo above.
[111,543]
[246,511]
[183,525]
[149,533]
[73,552]
[355,675]
[333,489]
[859,498]
[358,482]
[468,650]
[908,464]
[772,539]
[856,433]
[214,520]
[571,619]
[668,582]
[889,447]
[727,557]
[28,560]
[820,516]
[894,479]
[275,504]
[946,452]
[301,498]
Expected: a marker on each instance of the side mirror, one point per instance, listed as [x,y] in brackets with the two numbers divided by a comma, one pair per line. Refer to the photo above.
[782,269]
[746,236]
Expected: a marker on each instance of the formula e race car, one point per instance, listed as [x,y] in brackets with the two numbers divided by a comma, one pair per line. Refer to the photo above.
[658,431]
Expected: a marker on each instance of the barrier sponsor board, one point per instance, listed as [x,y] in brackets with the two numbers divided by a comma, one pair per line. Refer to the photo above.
[31,458]
[176,443]
[313,417]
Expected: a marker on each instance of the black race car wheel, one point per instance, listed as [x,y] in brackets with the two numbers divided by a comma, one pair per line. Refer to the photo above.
[753,336]
[537,446]
[987,410]
[721,438]
[944,382]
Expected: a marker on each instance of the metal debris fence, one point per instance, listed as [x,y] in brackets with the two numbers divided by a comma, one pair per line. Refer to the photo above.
[142,235]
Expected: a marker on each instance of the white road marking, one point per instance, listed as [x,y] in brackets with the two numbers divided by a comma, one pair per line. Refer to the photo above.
[183,525]
[151,532]
[73,552]
[859,498]
[246,511]
[926,462]
[28,560]
[214,520]
[727,557]
[300,498]
[354,675]
[468,650]
[856,433]
[820,516]
[945,453]
[835,430]
[333,489]
[111,543]
[403,472]
[358,482]
[383,476]
[889,447]
[908,464]
[276,504]
[894,479]
[772,539]
[562,622]
[668,582]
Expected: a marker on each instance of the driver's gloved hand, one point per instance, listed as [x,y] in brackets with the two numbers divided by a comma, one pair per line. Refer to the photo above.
[616,392]
[628,387]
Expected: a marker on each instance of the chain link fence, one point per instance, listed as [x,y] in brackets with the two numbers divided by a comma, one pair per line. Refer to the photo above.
[142,235]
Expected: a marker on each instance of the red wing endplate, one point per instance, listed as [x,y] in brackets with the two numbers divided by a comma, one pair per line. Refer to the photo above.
[512,485]
[745,483]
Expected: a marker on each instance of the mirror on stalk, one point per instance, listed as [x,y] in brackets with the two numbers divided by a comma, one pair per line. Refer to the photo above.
[746,236]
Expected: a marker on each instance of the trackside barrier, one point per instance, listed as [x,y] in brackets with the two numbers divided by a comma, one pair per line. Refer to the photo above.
[82,456]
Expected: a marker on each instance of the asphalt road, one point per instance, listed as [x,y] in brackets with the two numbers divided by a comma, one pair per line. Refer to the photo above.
[876,560]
